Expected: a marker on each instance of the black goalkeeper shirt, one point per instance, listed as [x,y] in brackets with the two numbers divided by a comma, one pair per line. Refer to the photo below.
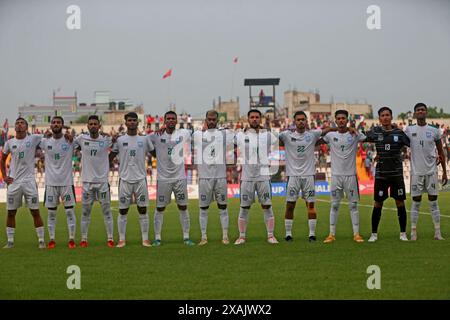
[389,145]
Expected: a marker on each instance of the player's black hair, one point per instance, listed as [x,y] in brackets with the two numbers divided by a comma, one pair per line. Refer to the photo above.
[20,118]
[212,111]
[93,117]
[132,115]
[344,112]
[300,113]
[420,104]
[170,112]
[384,109]
[254,110]
[60,118]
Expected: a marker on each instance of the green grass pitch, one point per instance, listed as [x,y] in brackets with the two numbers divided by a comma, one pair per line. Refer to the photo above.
[256,270]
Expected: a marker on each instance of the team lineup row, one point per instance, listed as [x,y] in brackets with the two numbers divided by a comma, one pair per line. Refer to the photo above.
[254,145]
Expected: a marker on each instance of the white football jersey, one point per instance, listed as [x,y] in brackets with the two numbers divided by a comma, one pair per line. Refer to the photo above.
[23,154]
[423,148]
[343,147]
[58,161]
[132,152]
[94,157]
[170,152]
[253,154]
[299,148]
[210,152]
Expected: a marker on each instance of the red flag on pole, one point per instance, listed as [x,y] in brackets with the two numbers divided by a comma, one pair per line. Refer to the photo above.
[168,73]
[235,60]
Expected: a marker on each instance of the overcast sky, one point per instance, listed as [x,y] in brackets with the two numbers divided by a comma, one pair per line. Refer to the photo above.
[126,47]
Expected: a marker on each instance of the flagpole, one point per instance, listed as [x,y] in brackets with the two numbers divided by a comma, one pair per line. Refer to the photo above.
[232,79]
[168,93]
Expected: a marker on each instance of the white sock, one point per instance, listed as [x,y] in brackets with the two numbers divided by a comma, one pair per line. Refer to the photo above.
[436,215]
[224,221]
[185,223]
[10,233]
[312,227]
[242,222]
[144,222]
[51,223]
[158,222]
[108,220]
[122,226]
[415,206]
[71,222]
[269,220]
[203,217]
[288,226]
[354,214]
[40,233]
[334,212]
[85,220]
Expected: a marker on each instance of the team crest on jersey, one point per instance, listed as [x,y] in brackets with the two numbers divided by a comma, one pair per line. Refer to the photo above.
[335,139]
[10,200]
[101,144]
[65,147]
[333,193]
[400,192]
[179,139]
[428,134]
[50,198]
[247,140]
[349,139]
[380,193]
[203,196]
[122,199]
[380,137]
[28,144]
[395,138]
[414,187]
[161,198]
[292,192]
[140,144]
[14,147]
[244,197]
[293,139]
[308,138]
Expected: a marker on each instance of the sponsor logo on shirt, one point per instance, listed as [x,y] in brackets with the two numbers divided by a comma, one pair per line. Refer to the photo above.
[49,147]
[86,143]
[14,147]
[335,139]
[125,144]
[414,134]
[163,140]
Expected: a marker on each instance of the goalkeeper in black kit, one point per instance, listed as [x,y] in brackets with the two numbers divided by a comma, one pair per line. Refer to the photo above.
[389,142]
